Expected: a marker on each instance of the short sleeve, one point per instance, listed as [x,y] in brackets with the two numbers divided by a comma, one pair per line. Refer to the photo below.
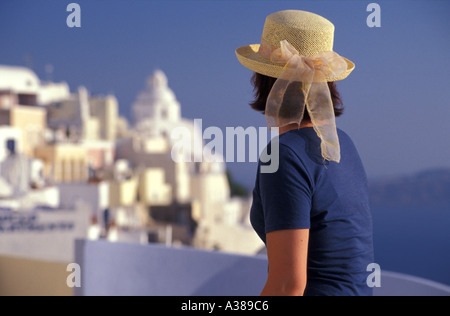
[286,194]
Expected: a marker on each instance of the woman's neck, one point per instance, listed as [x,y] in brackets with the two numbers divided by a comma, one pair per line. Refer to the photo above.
[293,126]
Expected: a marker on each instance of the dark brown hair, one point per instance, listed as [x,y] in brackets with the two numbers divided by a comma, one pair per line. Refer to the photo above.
[263,84]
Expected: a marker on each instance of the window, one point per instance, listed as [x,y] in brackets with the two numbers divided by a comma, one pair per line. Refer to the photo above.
[11,146]
[27,99]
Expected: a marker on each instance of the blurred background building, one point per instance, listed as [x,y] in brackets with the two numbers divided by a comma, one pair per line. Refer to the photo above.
[70,168]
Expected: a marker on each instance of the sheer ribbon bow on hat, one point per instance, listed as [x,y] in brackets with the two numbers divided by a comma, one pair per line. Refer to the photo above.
[302,83]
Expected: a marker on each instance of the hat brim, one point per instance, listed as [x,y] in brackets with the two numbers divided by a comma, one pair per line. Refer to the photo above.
[249,57]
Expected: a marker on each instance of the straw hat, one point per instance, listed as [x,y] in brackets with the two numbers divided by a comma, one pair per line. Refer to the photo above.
[309,33]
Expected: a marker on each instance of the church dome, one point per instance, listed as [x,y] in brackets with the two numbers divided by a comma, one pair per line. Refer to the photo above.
[157,102]
[158,88]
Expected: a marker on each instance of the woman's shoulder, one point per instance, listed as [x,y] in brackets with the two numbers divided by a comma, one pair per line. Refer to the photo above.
[304,143]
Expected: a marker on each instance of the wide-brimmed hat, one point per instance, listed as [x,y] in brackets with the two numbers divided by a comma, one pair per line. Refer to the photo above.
[309,33]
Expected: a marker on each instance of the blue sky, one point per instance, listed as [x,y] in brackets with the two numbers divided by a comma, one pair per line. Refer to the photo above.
[397,99]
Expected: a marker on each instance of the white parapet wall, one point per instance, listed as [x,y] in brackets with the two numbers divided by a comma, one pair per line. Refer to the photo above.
[131,269]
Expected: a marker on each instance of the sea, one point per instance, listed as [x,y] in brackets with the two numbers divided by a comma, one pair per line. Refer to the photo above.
[414,241]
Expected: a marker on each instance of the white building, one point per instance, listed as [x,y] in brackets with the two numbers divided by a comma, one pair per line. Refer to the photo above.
[96,195]
[18,85]
[32,222]
[73,117]
[221,221]
[51,92]
[157,102]
[157,114]
[21,86]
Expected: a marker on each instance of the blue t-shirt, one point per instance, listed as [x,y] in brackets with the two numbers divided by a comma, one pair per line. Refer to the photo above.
[328,198]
